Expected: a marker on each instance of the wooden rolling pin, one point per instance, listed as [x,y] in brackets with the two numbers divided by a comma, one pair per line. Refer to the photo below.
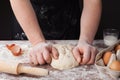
[17,68]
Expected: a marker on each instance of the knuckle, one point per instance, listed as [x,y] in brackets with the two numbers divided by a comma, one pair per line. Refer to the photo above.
[91,62]
[40,59]
[85,61]
[94,49]
[47,58]
[74,51]
[41,62]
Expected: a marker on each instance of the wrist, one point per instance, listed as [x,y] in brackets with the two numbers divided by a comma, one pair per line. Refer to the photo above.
[85,39]
[37,42]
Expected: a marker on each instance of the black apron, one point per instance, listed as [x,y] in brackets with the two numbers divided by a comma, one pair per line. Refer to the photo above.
[58,19]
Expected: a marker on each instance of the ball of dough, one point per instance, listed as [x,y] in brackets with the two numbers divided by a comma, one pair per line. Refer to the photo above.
[66,59]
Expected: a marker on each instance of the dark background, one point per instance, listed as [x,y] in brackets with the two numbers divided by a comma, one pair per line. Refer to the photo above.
[110,18]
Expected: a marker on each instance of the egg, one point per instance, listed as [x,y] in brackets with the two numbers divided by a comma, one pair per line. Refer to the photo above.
[106,57]
[117,48]
[115,65]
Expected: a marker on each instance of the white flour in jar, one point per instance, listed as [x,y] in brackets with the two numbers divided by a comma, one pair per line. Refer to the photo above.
[110,40]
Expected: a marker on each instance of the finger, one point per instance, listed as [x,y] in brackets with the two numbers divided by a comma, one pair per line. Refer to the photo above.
[40,58]
[76,54]
[93,54]
[86,56]
[55,53]
[33,59]
[47,56]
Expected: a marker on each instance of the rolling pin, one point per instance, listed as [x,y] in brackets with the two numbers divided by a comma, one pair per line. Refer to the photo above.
[18,68]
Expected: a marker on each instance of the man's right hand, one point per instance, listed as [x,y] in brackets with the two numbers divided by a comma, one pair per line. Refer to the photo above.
[42,53]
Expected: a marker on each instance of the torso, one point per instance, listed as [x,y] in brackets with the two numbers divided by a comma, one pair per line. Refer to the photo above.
[59,19]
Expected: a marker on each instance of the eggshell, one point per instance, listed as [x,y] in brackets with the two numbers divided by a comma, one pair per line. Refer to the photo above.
[118,55]
[15,49]
[117,48]
[106,57]
[112,58]
[10,46]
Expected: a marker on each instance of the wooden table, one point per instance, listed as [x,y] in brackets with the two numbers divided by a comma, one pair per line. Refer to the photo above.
[86,72]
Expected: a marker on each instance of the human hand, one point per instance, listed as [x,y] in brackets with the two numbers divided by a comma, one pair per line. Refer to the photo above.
[42,53]
[84,53]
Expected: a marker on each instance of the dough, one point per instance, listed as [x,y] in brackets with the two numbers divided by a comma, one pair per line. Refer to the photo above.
[66,59]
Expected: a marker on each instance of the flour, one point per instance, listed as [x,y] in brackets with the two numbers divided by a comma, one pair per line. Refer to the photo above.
[110,40]
[83,72]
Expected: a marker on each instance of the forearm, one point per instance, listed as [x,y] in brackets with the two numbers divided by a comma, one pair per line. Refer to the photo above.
[25,15]
[90,19]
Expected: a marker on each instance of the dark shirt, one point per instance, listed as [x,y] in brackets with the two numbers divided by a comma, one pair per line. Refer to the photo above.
[58,19]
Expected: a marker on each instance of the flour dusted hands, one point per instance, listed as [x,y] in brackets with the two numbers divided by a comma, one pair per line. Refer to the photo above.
[84,53]
[42,53]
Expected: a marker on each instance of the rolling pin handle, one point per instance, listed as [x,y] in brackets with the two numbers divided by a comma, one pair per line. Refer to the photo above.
[32,70]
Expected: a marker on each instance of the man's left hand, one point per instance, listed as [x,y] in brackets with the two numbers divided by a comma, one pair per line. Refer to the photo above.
[84,53]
